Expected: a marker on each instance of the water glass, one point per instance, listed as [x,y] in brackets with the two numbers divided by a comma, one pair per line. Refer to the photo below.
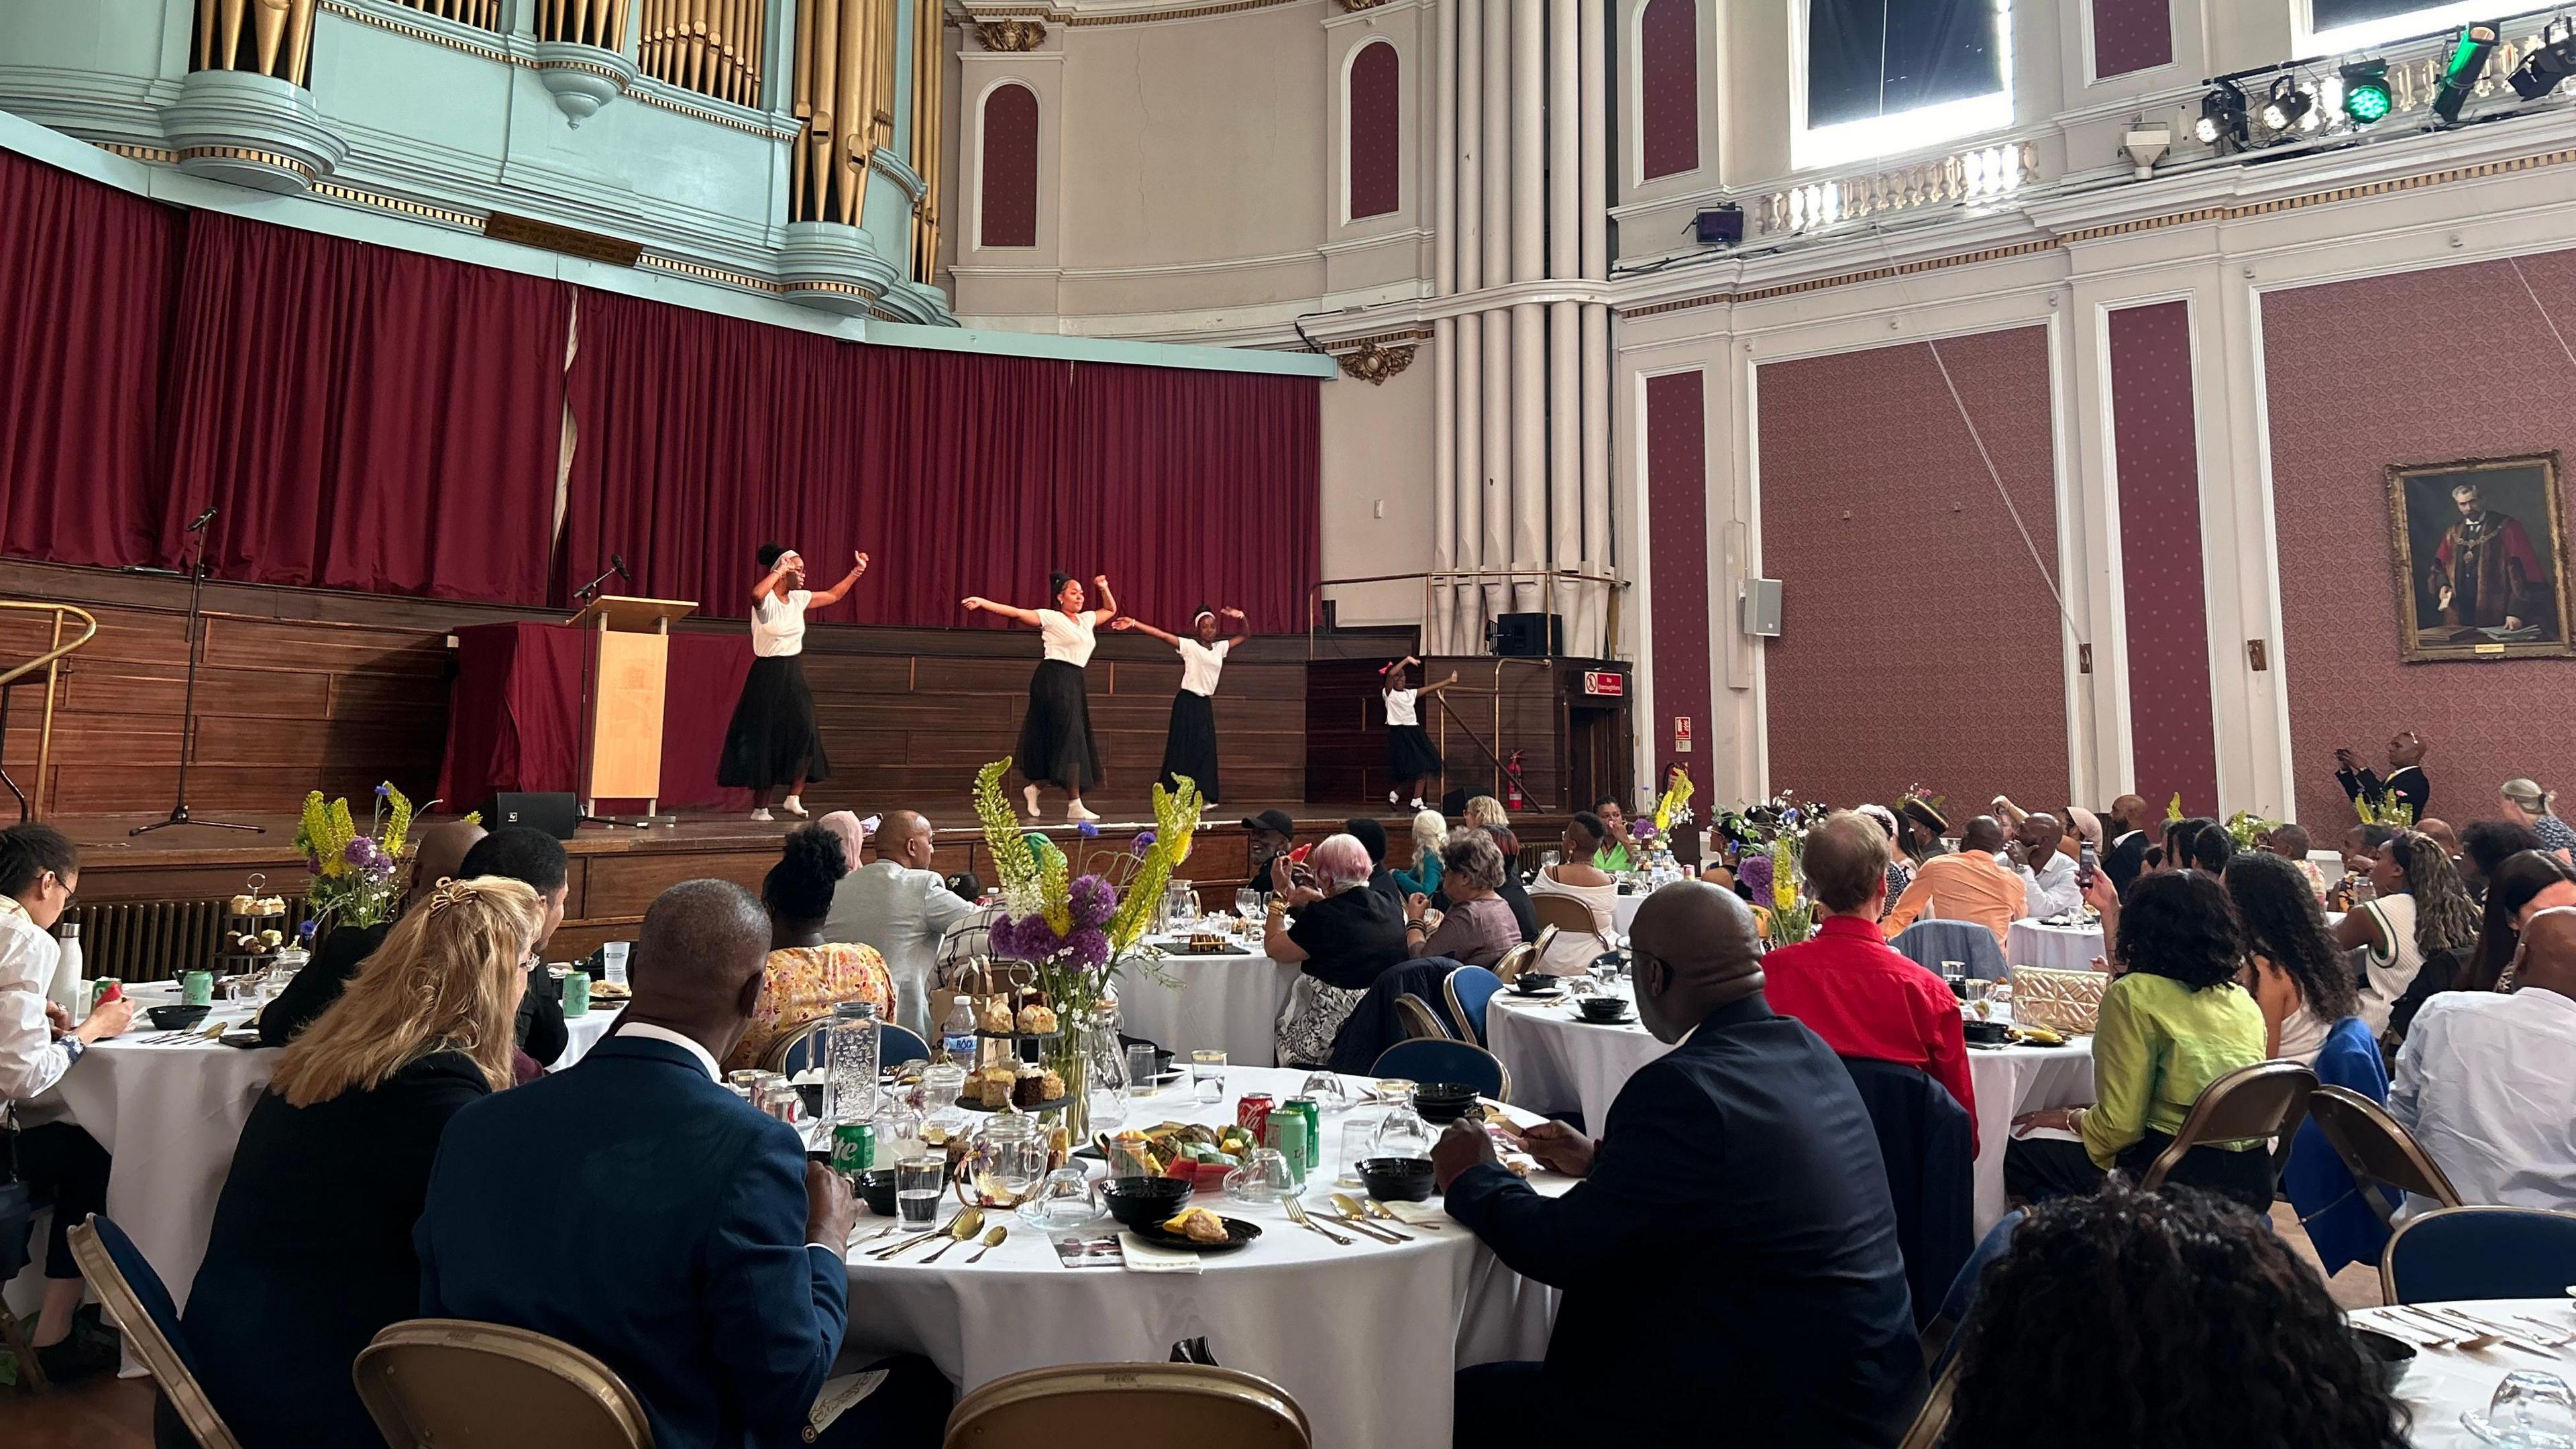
[1264,1177]
[1247,903]
[1207,1076]
[918,1184]
[1358,1144]
[1063,1200]
[2530,1410]
[1403,1133]
[1141,1076]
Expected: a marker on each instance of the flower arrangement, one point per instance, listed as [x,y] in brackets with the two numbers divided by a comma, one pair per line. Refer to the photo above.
[353,874]
[2386,810]
[2248,829]
[1793,914]
[1674,808]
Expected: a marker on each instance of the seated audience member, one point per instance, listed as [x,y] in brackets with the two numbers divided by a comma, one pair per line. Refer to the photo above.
[2292,968]
[966,948]
[638,1210]
[2174,1022]
[436,853]
[2536,809]
[1971,885]
[2290,842]
[1729,1262]
[2047,873]
[2083,828]
[1920,831]
[2124,858]
[1618,850]
[536,860]
[2153,861]
[2522,887]
[1477,928]
[1579,880]
[2361,844]
[1271,835]
[2421,919]
[1485,813]
[901,907]
[2443,836]
[1372,838]
[2487,1081]
[1849,986]
[1430,832]
[808,975]
[2212,848]
[1514,894]
[1900,871]
[2484,845]
[1341,935]
[2163,1285]
[311,1252]
[39,870]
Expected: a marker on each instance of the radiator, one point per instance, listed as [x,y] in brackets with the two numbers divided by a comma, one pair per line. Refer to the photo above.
[156,940]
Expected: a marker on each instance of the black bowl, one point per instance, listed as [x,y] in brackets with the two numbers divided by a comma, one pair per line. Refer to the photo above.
[176,1018]
[2391,1357]
[1136,1201]
[1397,1179]
[1441,1103]
[1602,1008]
[876,1189]
[1986,1033]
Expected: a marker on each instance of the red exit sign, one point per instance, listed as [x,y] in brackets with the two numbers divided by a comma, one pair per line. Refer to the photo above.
[1605,682]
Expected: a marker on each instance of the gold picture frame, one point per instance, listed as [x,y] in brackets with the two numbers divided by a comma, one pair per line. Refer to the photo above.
[2480,602]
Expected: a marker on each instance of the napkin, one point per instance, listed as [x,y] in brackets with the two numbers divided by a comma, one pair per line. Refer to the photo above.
[1417,1214]
[1145,1257]
[839,1396]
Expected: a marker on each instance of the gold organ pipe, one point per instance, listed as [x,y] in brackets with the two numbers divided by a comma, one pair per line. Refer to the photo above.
[801,79]
[268,32]
[887,45]
[929,127]
[850,110]
[231,37]
[299,41]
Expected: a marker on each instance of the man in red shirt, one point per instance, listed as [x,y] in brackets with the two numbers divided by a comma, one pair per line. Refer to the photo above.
[1853,989]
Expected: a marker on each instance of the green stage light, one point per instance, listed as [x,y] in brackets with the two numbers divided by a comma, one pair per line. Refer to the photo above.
[2365,92]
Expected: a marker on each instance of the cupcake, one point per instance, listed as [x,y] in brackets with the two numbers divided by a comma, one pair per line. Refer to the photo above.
[1037,1019]
[1029,1088]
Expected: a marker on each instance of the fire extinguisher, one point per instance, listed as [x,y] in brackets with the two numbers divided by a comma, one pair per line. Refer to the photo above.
[1512,797]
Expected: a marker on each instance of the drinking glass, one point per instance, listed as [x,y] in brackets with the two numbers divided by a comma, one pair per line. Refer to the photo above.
[1402,1133]
[1264,1177]
[918,1182]
[850,1044]
[1551,857]
[1328,1092]
[1247,903]
[1063,1200]
[2530,1410]
[1207,1076]
[1141,1077]
[1358,1144]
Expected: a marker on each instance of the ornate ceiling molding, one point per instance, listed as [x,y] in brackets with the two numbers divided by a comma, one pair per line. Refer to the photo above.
[1012,33]
[1373,363]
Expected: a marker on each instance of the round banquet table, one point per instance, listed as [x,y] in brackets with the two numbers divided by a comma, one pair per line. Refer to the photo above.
[583,1032]
[2443,1382]
[1560,1063]
[2059,948]
[1623,911]
[1365,1337]
[1210,1001]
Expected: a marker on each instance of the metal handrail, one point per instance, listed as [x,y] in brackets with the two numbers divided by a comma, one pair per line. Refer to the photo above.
[1548,579]
[51,662]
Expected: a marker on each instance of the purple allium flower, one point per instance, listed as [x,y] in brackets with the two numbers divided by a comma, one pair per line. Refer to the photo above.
[359,852]
[1755,872]
[1094,901]
[1088,948]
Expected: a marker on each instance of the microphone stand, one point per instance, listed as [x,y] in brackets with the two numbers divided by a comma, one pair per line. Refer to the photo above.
[584,593]
[188,711]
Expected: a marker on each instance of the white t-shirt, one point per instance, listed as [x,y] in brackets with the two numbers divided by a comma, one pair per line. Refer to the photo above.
[1068,640]
[1201,663]
[1399,707]
[2387,973]
[778,625]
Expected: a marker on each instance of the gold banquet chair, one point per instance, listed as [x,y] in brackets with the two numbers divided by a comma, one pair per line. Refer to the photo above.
[2378,1150]
[1565,913]
[2267,1099]
[456,1385]
[1101,1405]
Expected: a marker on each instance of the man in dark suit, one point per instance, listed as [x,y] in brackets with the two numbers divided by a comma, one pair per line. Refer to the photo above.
[2405,784]
[2124,854]
[636,1209]
[1729,1263]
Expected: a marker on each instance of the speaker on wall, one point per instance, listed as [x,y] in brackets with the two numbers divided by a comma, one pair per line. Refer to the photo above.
[1529,636]
[554,812]
[1719,226]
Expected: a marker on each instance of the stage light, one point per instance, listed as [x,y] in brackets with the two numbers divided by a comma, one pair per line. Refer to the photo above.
[2365,91]
[2468,61]
[2550,62]
[2222,118]
[2287,106]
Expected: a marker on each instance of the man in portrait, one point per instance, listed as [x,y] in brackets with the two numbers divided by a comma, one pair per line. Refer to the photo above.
[2485,573]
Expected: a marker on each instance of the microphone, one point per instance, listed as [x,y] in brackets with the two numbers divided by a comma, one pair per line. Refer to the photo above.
[203,519]
[617,561]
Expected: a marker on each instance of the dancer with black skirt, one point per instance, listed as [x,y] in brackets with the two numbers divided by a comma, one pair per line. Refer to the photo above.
[1189,746]
[772,742]
[1055,739]
[1411,763]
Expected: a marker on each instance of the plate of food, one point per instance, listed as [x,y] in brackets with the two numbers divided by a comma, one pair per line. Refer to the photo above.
[609,991]
[1198,1230]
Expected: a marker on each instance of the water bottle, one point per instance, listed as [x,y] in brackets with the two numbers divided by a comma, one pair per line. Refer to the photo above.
[957,1034]
[67,990]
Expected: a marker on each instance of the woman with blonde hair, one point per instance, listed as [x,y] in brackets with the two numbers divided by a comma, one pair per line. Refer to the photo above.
[2535,806]
[311,1252]
[1486,812]
[1430,831]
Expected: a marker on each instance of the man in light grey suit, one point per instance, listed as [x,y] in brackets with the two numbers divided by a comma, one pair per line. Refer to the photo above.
[899,905]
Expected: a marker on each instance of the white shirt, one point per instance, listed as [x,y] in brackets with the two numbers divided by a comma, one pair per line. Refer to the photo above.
[903,913]
[30,1059]
[2487,1083]
[2051,890]
[1400,707]
[1068,640]
[649,1032]
[778,625]
[2387,973]
[1201,663]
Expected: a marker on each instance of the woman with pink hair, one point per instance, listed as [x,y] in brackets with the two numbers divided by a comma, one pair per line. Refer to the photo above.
[1340,934]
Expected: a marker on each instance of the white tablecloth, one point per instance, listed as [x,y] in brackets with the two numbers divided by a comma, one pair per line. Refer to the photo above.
[1365,1337]
[583,1032]
[1560,1063]
[1219,1001]
[2445,1381]
[1623,912]
[2059,948]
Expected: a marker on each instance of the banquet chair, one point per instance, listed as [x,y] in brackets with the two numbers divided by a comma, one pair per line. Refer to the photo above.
[1420,1021]
[2265,1100]
[797,1050]
[1109,1405]
[1933,1419]
[2479,1252]
[1447,1061]
[1565,913]
[899,1044]
[2378,1150]
[1469,988]
[446,1381]
[18,1209]
[1929,943]
[134,1296]
[1519,958]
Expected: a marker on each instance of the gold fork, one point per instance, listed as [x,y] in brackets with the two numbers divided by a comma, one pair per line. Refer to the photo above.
[1297,1215]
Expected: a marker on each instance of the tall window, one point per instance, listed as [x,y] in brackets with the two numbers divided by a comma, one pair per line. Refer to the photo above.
[1668,87]
[1008,210]
[1373,118]
[1892,75]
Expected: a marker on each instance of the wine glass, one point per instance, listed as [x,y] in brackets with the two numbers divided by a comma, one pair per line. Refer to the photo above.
[1402,1132]
[2530,1410]
[1247,903]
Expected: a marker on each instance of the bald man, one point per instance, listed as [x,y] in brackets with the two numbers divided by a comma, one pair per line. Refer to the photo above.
[1970,884]
[899,905]
[2124,855]
[437,852]
[2487,1082]
[1729,1263]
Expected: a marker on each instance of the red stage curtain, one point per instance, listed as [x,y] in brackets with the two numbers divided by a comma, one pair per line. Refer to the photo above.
[514,722]
[88,277]
[366,418]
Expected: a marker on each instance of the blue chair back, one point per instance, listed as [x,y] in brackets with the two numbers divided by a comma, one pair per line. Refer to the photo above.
[145,1283]
[1929,943]
[137,1301]
[1468,989]
[1427,1060]
[899,1044]
[803,1048]
[2480,1252]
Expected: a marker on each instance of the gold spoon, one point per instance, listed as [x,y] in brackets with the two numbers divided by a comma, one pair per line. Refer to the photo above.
[917,1239]
[1359,1216]
[992,1240]
[964,1228]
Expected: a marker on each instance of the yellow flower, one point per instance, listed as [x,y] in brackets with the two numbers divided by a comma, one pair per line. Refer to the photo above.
[1784,892]
[397,821]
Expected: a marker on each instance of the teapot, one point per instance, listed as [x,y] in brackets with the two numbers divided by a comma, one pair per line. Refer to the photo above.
[1004,1161]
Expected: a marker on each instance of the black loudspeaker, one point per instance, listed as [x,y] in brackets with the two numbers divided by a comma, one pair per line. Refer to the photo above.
[1721,226]
[554,812]
[1525,636]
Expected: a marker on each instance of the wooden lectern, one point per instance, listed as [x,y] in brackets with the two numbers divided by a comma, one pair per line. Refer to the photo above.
[630,661]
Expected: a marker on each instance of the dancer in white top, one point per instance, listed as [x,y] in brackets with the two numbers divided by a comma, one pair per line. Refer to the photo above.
[1189,746]
[1055,739]
[772,741]
[1411,762]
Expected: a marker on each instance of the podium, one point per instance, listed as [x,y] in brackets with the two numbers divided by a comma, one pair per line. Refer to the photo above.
[622,695]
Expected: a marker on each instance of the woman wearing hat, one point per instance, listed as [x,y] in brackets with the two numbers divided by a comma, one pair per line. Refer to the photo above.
[1189,746]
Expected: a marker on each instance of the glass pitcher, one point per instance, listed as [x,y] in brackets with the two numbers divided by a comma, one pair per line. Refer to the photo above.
[1005,1162]
[850,1063]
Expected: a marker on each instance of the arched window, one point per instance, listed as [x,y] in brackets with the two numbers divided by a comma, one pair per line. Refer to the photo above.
[1668,86]
[1008,214]
[1373,118]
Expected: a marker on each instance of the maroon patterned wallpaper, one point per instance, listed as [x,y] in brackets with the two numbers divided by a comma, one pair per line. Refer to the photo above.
[1677,548]
[1919,640]
[2131,35]
[2161,592]
[1375,130]
[1009,210]
[1668,54]
[2422,367]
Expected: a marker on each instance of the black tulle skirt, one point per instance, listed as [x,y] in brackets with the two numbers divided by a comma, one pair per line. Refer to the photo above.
[772,741]
[1055,740]
[1409,755]
[1189,748]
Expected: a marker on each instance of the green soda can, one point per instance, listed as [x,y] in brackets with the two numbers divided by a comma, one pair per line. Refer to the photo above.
[1288,1134]
[854,1148]
[1305,1107]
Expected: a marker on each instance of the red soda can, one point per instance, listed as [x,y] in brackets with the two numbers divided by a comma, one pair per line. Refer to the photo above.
[1252,1114]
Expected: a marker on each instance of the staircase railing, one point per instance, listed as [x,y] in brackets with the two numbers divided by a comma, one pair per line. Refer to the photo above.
[51,661]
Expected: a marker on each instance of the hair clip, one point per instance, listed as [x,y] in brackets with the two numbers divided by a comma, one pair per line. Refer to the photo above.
[448,893]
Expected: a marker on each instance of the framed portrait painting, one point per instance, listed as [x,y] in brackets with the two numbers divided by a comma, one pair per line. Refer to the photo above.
[2481,549]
